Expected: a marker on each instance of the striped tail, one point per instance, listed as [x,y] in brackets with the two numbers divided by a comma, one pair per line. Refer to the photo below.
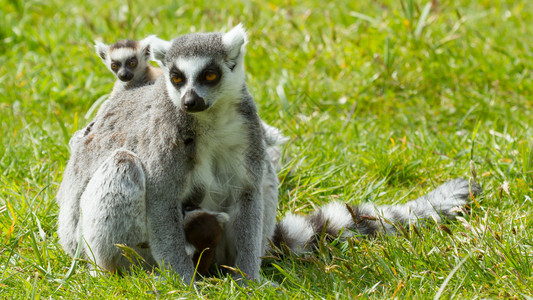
[336,219]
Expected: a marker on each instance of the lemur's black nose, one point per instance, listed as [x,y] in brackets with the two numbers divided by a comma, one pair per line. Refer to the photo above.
[125,76]
[191,102]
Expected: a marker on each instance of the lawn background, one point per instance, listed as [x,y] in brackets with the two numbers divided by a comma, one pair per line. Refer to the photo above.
[382,101]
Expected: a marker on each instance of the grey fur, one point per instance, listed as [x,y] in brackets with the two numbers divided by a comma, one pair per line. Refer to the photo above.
[274,139]
[299,234]
[119,182]
[197,45]
[218,152]
[146,75]
[143,73]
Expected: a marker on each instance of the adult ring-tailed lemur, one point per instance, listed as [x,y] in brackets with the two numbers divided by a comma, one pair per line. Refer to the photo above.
[193,138]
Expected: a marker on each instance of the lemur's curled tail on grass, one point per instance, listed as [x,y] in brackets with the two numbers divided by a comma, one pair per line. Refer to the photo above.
[299,234]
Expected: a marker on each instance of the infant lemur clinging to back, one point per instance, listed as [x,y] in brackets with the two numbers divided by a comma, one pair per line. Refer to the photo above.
[129,61]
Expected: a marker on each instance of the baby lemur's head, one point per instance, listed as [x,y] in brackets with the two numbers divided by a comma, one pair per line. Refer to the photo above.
[204,230]
[203,69]
[127,59]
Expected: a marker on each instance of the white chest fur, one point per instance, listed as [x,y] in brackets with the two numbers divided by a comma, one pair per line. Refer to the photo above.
[220,165]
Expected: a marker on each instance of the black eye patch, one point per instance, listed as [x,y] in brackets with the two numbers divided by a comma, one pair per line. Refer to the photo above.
[115,65]
[131,62]
[177,78]
[210,75]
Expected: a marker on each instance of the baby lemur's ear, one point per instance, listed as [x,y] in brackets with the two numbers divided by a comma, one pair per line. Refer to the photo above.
[159,49]
[144,46]
[222,218]
[234,42]
[101,49]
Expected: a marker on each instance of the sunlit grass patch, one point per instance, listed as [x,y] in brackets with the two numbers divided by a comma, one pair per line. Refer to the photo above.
[382,101]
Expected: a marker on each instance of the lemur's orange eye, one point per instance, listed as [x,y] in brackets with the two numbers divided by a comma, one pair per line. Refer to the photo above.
[177,79]
[114,66]
[210,76]
[132,63]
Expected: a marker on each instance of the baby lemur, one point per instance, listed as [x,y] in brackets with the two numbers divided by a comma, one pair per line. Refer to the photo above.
[129,61]
[203,232]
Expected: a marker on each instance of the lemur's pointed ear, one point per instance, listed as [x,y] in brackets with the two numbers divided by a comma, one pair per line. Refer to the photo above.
[222,218]
[159,50]
[234,42]
[144,46]
[101,49]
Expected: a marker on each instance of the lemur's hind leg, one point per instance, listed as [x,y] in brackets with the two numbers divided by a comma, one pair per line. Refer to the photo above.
[113,212]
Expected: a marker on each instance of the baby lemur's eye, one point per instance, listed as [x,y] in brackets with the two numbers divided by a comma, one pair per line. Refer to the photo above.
[132,62]
[115,65]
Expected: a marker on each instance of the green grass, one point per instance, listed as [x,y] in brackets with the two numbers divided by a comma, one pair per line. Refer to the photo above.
[382,101]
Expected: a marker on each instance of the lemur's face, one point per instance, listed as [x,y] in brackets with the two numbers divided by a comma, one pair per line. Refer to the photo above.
[202,70]
[196,83]
[127,59]
[123,62]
